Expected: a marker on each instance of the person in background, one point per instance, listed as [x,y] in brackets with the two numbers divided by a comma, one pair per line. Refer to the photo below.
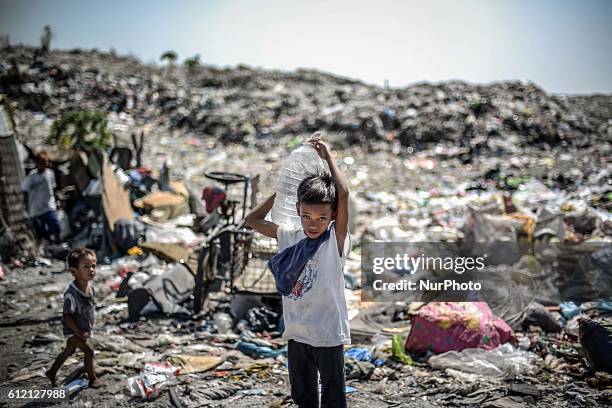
[39,185]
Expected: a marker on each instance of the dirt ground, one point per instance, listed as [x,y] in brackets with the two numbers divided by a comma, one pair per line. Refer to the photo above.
[31,302]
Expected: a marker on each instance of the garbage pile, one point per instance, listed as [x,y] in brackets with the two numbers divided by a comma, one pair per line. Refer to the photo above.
[254,106]
[449,162]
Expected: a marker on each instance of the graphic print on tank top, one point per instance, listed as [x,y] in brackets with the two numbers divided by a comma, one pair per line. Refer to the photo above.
[307,278]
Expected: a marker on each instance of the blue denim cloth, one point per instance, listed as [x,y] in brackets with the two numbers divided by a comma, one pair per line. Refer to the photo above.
[46,224]
[287,266]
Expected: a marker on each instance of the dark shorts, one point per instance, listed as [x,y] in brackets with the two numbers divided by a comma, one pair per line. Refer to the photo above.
[305,361]
[46,224]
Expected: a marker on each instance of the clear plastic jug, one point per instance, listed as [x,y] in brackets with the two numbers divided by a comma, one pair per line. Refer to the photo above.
[301,162]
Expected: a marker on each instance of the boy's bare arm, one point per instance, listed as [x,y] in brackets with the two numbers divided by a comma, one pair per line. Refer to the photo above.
[342,191]
[256,219]
[72,325]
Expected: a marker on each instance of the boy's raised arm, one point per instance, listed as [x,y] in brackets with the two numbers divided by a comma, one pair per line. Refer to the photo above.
[256,219]
[342,192]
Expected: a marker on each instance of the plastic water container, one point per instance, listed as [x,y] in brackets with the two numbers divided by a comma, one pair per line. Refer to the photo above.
[301,162]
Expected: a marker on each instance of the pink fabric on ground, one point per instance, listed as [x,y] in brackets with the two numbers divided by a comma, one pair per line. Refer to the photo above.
[445,326]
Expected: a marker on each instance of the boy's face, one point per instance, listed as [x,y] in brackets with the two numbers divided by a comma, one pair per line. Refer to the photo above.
[42,163]
[315,218]
[86,269]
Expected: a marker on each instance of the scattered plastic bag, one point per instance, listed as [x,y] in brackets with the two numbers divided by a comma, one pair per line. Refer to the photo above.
[263,319]
[224,323]
[255,351]
[64,224]
[93,189]
[153,379]
[75,385]
[173,235]
[131,359]
[503,361]
[397,348]
[569,309]
[388,229]
[487,231]
[359,354]
[128,233]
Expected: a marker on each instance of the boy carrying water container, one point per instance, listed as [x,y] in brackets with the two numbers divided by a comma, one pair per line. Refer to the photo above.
[309,274]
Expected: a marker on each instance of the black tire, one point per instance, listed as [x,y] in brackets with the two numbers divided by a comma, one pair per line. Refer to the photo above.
[201,289]
[207,261]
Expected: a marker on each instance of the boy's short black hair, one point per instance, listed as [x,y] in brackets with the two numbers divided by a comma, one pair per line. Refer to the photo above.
[74,257]
[318,189]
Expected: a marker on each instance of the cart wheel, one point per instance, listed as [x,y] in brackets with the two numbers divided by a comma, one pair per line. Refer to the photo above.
[203,279]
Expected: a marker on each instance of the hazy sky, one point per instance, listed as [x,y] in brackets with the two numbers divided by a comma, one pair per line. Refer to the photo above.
[564,46]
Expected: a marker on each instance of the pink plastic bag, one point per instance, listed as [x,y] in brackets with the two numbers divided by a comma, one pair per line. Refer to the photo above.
[444,326]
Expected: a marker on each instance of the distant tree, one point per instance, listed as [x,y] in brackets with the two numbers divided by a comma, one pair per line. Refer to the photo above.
[169,56]
[45,39]
[81,130]
[192,63]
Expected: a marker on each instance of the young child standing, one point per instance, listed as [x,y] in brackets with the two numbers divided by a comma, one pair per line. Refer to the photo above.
[78,313]
[315,312]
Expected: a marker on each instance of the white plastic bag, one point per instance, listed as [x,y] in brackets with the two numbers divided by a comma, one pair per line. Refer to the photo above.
[503,361]
[153,378]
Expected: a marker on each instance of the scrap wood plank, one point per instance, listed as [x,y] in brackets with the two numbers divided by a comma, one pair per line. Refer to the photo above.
[115,199]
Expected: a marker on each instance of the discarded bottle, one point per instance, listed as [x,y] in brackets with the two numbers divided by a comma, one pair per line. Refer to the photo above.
[301,162]
[76,385]
[223,321]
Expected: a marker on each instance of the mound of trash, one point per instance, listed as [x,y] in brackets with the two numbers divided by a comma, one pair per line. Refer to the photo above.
[251,105]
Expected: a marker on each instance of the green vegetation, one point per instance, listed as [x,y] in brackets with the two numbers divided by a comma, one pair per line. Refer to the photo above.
[192,63]
[169,56]
[83,130]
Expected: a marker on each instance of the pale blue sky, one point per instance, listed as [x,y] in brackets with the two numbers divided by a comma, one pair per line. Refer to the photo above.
[564,46]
